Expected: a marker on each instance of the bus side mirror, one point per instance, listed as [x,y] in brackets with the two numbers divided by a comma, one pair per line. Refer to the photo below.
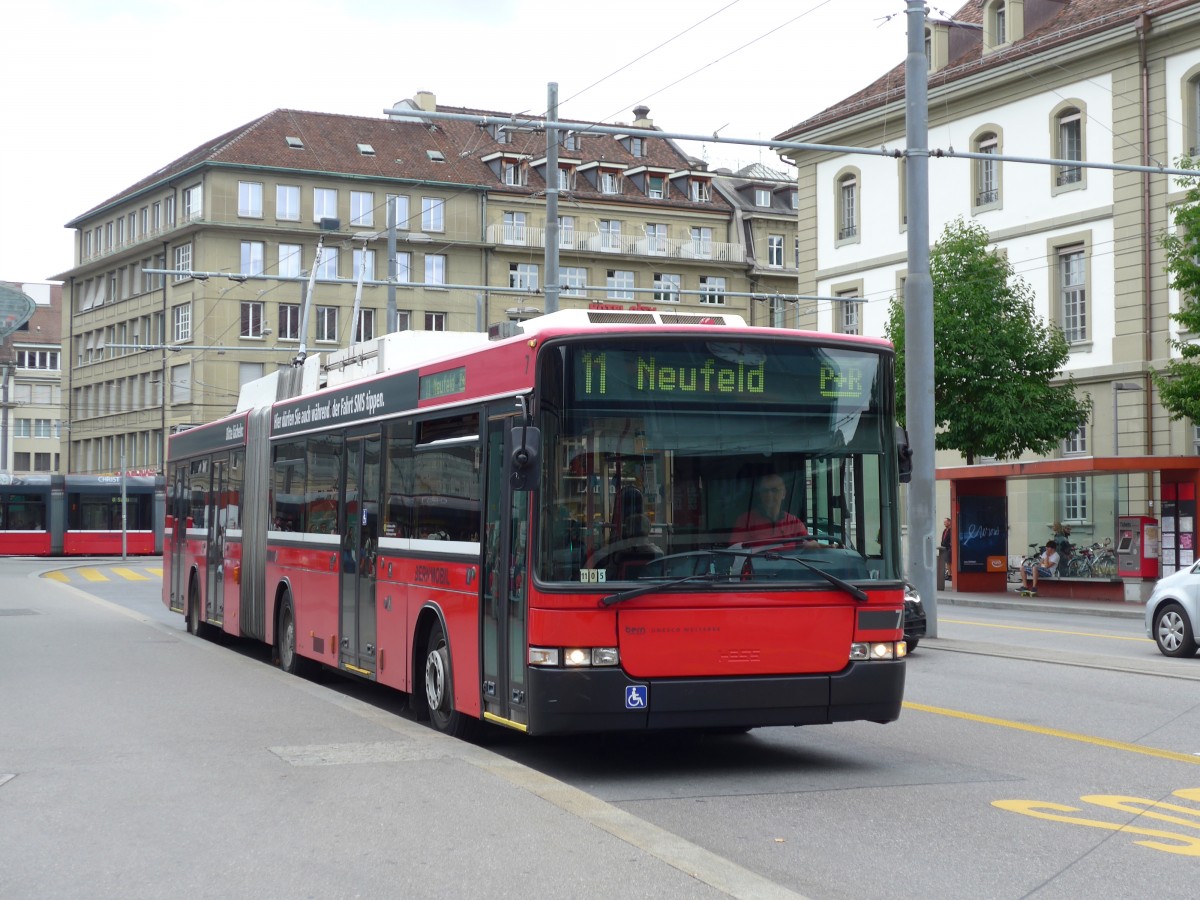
[904,454]
[523,457]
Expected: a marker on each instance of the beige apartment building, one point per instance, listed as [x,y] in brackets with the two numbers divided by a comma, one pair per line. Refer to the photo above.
[1074,81]
[31,409]
[240,224]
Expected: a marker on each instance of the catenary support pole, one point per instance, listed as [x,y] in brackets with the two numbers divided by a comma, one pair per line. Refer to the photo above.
[391,268]
[551,284]
[918,321]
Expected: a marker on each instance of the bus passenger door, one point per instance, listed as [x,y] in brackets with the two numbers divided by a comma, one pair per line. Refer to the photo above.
[214,596]
[359,515]
[178,536]
[503,586]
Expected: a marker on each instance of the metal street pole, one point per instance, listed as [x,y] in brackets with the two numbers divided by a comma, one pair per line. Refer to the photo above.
[918,321]
[124,512]
[391,270]
[551,284]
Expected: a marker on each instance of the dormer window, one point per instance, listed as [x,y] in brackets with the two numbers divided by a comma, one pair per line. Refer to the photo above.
[610,183]
[996,26]
[513,173]
[656,187]
[570,141]
[636,147]
[762,197]
[700,190]
[501,134]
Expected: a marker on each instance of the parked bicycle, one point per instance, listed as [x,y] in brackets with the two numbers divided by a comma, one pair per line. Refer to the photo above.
[1097,561]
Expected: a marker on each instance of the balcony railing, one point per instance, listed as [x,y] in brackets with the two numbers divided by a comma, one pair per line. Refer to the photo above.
[983,198]
[1069,175]
[631,245]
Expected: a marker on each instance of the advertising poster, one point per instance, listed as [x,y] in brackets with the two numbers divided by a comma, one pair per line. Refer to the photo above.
[982,531]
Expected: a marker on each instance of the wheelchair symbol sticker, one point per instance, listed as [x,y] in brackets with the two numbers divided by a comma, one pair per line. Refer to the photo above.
[635,696]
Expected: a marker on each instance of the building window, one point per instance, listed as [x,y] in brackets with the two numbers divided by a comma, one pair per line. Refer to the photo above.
[702,242]
[289,321]
[364,328]
[1191,115]
[252,257]
[183,262]
[193,203]
[996,26]
[610,235]
[41,428]
[169,212]
[435,268]
[1068,144]
[620,284]
[762,197]
[794,199]
[847,207]
[1075,498]
[432,214]
[656,238]
[514,228]
[849,312]
[21,461]
[656,187]
[566,178]
[398,203]
[610,183]
[512,173]
[1076,442]
[41,462]
[364,264]
[572,281]
[324,204]
[327,265]
[566,231]
[249,371]
[250,199]
[181,383]
[986,172]
[635,147]
[666,287]
[327,323]
[712,289]
[404,268]
[181,322]
[700,190]
[1072,282]
[775,251]
[289,260]
[362,208]
[435,321]
[523,276]
[21,428]
[37,359]
[252,318]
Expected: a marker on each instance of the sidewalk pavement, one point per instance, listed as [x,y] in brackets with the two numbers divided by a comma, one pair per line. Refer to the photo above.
[1012,600]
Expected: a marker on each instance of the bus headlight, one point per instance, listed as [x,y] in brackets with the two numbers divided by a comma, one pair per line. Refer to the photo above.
[543,656]
[574,657]
[878,650]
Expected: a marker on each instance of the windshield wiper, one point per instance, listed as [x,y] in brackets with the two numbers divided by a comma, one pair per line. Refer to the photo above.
[856,592]
[650,588]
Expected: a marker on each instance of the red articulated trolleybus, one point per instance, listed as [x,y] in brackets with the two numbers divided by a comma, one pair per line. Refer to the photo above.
[547,530]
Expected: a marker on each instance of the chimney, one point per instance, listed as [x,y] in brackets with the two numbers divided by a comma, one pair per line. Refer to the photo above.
[426,101]
[641,117]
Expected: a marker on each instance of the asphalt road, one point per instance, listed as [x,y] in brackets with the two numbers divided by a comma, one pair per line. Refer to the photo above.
[1039,754]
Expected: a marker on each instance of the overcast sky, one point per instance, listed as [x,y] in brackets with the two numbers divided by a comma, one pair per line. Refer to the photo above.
[97,95]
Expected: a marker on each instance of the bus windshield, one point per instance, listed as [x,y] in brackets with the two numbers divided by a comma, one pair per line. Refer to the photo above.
[659,453]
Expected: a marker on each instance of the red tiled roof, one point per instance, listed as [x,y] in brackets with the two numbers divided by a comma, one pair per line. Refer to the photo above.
[1073,20]
[401,151]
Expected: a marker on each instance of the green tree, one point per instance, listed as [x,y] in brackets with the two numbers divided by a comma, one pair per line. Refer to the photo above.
[994,357]
[1179,383]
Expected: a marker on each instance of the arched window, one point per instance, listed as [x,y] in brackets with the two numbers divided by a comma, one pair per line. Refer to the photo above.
[847,199]
[986,172]
[995,24]
[1067,125]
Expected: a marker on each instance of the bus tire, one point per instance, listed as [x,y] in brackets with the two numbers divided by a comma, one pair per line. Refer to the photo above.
[439,688]
[285,641]
[195,622]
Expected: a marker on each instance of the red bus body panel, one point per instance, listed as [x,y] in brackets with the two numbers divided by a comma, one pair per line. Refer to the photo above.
[107,543]
[24,543]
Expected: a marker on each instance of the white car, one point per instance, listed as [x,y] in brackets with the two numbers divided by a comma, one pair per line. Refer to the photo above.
[1173,612]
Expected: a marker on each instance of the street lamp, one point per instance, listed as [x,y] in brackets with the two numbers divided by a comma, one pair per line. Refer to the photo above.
[1117,387]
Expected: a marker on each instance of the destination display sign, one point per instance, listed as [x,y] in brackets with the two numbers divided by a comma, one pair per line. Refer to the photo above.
[728,373]
[206,438]
[444,384]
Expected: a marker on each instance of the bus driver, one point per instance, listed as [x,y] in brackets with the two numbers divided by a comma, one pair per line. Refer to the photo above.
[768,520]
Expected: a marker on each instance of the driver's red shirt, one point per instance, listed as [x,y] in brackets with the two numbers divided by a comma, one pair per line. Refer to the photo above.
[754,526]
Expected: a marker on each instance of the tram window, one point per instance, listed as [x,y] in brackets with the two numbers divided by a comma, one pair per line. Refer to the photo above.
[199,486]
[321,493]
[233,509]
[23,513]
[287,487]
[446,483]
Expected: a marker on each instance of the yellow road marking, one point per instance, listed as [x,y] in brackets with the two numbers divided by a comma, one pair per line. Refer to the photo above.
[93,575]
[130,574]
[1111,637]
[157,572]
[1054,732]
[56,576]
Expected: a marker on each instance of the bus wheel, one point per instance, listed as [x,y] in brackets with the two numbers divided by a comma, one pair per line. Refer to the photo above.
[195,624]
[438,688]
[285,641]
